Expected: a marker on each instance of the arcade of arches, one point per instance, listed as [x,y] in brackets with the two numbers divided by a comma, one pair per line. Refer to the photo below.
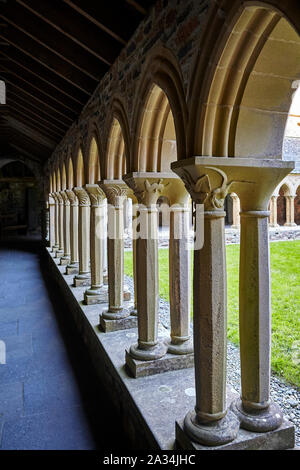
[197,113]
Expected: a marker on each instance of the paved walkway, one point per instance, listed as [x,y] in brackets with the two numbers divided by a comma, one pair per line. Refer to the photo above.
[49,396]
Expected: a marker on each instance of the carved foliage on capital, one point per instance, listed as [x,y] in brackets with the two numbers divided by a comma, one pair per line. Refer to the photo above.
[148,193]
[202,192]
[59,198]
[65,198]
[51,199]
[115,193]
[72,197]
[96,195]
[83,197]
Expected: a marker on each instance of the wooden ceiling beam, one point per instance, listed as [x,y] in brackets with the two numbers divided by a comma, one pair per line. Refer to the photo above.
[43,89]
[50,61]
[69,22]
[106,18]
[36,118]
[45,35]
[18,84]
[28,101]
[38,114]
[26,63]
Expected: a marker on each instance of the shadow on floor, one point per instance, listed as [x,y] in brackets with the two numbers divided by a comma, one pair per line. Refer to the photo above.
[92,405]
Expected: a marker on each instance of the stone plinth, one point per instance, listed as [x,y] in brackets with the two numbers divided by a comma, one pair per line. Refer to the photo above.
[81,281]
[166,363]
[115,325]
[280,439]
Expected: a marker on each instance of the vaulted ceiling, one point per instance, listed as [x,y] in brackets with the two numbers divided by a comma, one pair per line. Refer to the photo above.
[53,53]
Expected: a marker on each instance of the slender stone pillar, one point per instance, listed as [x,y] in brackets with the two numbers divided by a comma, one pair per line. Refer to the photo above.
[133,311]
[132,227]
[147,191]
[235,211]
[60,220]
[83,276]
[273,211]
[116,192]
[97,196]
[51,222]
[65,259]
[210,423]
[180,281]
[56,223]
[72,267]
[290,211]
[209,179]
[255,410]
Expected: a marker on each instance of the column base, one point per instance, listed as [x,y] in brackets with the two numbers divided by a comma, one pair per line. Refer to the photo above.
[273,225]
[59,253]
[142,368]
[115,315]
[258,420]
[184,347]
[127,293]
[72,268]
[115,325]
[213,433]
[82,280]
[95,296]
[287,224]
[281,439]
[64,260]
[133,311]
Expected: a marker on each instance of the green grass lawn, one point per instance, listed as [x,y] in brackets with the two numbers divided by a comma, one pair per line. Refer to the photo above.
[285,275]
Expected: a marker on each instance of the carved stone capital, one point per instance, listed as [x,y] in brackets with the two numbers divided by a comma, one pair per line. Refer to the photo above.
[65,198]
[116,191]
[209,179]
[95,193]
[83,197]
[72,197]
[148,187]
[59,197]
[51,199]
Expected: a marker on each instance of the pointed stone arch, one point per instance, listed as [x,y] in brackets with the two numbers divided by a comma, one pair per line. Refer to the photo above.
[241,88]
[117,157]
[161,90]
[79,169]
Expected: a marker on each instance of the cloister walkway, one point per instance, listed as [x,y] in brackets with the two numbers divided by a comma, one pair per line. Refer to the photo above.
[49,397]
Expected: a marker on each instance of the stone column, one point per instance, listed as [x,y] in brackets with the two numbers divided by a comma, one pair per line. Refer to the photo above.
[210,423]
[179,270]
[83,276]
[65,259]
[209,179]
[60,221]
[72,267]
[147,190]
[290,211]
[56,223]
[132,227]
[97,197]
[235,211]
[51,222]
[255,410]
[273,211]
[116,192]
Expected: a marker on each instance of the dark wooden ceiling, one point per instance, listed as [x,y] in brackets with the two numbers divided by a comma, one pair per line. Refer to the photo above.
[53,53]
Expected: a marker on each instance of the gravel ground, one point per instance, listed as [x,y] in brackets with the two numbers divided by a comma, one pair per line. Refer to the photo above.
[286,396]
